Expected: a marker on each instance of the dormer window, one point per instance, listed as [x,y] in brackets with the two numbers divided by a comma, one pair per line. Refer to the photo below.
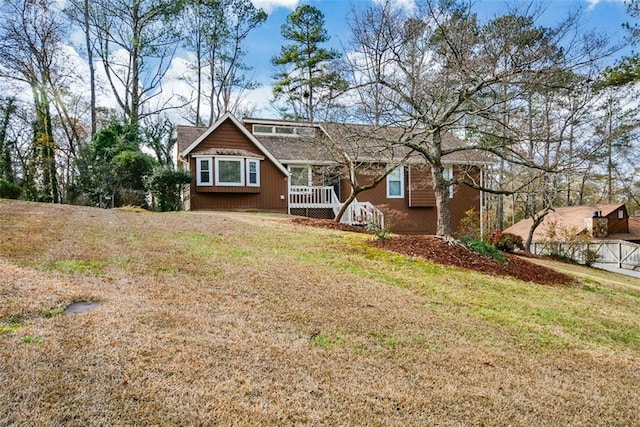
[283,130]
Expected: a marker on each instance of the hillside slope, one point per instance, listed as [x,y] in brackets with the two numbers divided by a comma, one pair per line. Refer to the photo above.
[250,319]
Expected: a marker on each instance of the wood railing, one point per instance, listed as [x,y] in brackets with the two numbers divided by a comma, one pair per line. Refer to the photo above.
[312,197]
[363,213]
[358,213]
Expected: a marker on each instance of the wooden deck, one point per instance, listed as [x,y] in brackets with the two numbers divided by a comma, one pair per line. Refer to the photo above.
[322,198]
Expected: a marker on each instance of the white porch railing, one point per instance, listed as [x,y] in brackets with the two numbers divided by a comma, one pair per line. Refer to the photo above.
[361,213]
[312,197]
[358,213]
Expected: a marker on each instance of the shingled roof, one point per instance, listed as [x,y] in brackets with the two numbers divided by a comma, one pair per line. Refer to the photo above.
[573,217]
[361,142]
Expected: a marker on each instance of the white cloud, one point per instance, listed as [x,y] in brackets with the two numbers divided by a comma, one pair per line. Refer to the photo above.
[407,5]
[594,3]
[270,5]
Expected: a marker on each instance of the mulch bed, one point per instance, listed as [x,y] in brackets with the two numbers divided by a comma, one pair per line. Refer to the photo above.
[440,251]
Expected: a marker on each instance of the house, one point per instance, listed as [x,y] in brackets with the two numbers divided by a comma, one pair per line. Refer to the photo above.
[610,222]
[298,168]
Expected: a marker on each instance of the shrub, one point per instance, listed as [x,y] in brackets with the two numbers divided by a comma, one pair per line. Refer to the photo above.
[485,249]
[9,190]
[506,242]
[590,257]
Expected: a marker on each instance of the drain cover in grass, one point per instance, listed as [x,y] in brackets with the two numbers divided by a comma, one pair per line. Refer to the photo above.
[81,307]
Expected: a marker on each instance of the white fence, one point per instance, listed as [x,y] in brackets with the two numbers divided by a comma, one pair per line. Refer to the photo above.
[618,252]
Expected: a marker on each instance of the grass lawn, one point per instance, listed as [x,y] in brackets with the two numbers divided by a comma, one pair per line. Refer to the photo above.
[247,319]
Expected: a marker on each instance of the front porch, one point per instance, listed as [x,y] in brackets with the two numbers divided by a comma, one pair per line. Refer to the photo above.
[322,202]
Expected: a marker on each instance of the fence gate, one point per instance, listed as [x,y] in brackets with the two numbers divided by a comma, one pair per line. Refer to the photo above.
[618,252]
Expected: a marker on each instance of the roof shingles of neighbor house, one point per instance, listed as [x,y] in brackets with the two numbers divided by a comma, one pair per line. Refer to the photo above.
[573,218]
[360,142]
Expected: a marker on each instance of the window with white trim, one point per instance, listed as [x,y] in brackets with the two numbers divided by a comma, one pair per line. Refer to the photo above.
[300,176]
[204,171]
[253,173]
[395,184]
[229,171]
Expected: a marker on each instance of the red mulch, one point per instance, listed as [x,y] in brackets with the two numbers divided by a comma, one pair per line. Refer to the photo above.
[440,251]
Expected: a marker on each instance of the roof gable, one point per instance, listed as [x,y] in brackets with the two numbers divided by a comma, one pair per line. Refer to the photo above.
[247,134]
[363,143]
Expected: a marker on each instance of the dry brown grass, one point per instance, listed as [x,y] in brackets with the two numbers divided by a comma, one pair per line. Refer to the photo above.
[247,319]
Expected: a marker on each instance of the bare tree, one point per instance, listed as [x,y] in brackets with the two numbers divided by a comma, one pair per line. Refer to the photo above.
[79,11]
[217,31]
[446,73]
[136,43]
[30,39]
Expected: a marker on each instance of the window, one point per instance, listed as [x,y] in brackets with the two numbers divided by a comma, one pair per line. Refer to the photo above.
[253,173]
[203,170]
[620,214]
[300,176]
[282,130]
[306,131]
[395,184]
[262,129]
[229,171]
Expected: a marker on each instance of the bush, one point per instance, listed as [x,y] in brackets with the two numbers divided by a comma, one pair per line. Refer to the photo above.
[506,242]
[9,190]
[590,257]
[485,249]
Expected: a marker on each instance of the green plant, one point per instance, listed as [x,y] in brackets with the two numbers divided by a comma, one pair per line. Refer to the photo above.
[53,312]
[165,184]
[9,190]
[485,249]
[382,233]
[11,327]
[590,257]
[31,339]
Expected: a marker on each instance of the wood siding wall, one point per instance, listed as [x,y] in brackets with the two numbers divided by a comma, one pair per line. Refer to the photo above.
[420,187]
[271,195]
[616,225]
[406,219]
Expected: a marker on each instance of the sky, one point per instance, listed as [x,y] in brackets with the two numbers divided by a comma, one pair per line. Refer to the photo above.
[264,42]
[602,15]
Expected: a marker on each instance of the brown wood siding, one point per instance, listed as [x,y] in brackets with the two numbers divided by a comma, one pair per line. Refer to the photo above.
[272,193]
[419,220]
[616,225]
[420,187]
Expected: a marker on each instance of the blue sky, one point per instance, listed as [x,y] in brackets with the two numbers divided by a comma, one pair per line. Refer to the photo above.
[602,15]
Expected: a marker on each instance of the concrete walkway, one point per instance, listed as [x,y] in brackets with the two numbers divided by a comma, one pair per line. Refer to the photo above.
[615,269]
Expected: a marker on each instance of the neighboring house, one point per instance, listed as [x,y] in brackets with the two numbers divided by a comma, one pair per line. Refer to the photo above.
[296,168]
[610,222]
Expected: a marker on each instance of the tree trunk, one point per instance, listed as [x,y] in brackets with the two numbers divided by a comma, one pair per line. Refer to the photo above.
[92,77]
[443,202]
[440,188]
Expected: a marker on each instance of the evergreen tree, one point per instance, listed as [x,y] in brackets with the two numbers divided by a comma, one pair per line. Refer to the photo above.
[307,79]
